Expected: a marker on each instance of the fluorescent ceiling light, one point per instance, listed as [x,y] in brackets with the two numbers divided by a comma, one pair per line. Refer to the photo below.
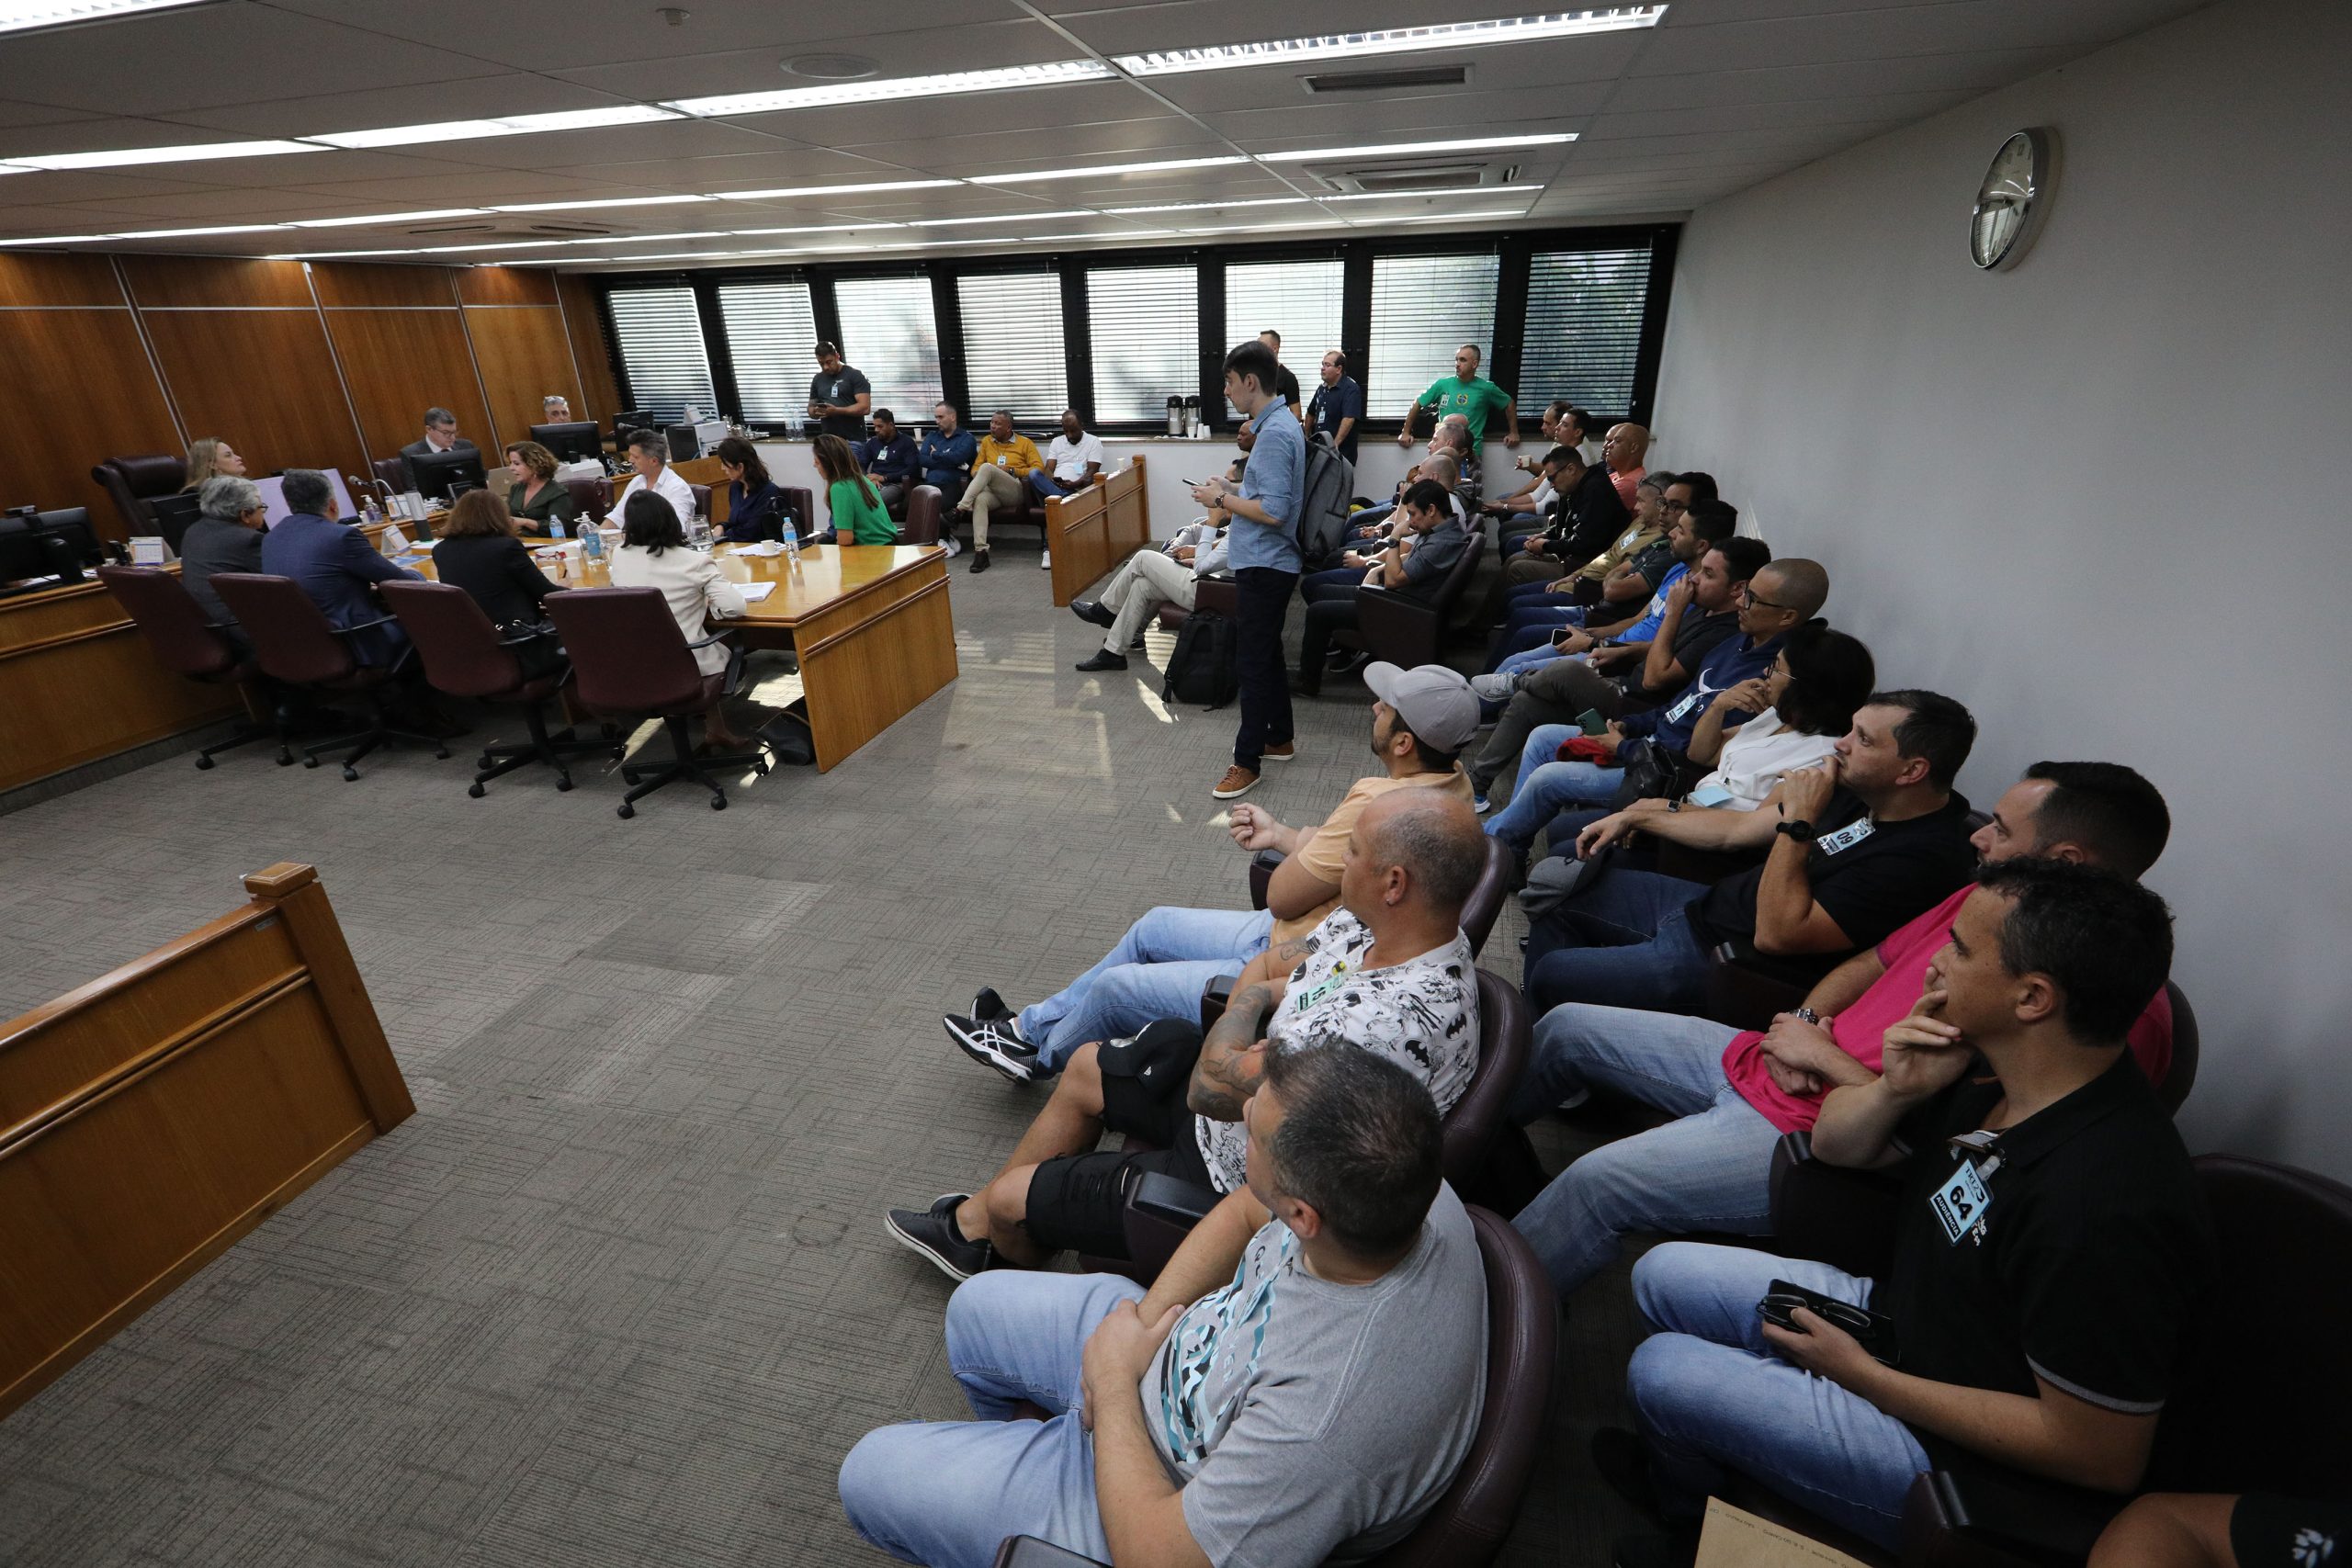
[1399,149]
[1389,40]
[1210,205]
[336,255]
[873,92]
[192,153]
[23,16]
[832,190]
[1035,176]
[501,125]
[819,228]
[997,217]
[58,240]
[181,233]
[425,216]
[505,245]
[608,201]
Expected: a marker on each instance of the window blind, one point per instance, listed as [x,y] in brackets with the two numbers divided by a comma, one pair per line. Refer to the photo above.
[1299,299]
[1146,326]
[660,336]
[1012,347]
[890,333]
[1424,308]
[1584,327]
[771,335]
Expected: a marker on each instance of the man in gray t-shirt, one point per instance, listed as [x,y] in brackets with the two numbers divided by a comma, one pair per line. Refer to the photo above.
[1299,1386]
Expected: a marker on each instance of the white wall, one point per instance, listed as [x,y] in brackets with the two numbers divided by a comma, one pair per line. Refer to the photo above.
[2101,497]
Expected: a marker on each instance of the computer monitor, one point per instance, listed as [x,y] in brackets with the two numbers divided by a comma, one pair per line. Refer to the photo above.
[578,442]
[685,444]
[631,419]
[432,474]
[273,498]
[72,524]
[37,546]
[172,515]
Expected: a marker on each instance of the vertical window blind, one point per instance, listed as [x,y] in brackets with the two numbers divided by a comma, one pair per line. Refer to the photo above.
[660,337]
[1300,299]
[1012,347]
[890,333]
[1424,308]
[1584,327]
[1146,332]
[771,335]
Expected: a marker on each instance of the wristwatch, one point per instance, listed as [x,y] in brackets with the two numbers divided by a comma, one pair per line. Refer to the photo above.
[1800,830]
[1807,1015]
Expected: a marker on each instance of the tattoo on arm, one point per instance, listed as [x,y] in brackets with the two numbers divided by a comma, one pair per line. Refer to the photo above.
[1226,1075]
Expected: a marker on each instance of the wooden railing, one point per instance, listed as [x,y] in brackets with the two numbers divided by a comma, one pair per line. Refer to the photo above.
[152,1117]
[1097,528]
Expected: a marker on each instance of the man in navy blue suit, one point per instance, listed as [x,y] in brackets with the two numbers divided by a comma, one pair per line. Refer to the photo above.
[335,565]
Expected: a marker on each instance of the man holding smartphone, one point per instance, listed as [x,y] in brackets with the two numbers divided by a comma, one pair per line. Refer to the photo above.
[2051,1254]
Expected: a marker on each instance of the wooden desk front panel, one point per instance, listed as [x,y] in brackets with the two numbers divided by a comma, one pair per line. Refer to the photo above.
[869,660]
[78,683]
[1093,531]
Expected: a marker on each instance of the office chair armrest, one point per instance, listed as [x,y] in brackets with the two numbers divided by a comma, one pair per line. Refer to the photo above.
[532,636]
[2005,1519]
[1845,1218]
[1213,996]
[1160,1213]
[1262,866]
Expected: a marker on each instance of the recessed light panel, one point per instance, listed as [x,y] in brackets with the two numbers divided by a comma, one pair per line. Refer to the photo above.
[1389,40]
[947,83]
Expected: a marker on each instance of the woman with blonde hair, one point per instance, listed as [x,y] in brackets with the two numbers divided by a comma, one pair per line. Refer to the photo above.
[851,499]
[539,498]
[211,457]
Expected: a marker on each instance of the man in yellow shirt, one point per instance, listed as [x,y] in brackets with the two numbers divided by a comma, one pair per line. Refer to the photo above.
[1000,477]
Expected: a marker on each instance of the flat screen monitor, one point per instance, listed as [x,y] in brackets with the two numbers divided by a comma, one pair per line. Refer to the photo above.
[172,515]
[685,443]
[576,442]
[433,474]
[72,524]
[273,498]
[631,419]
[38,546]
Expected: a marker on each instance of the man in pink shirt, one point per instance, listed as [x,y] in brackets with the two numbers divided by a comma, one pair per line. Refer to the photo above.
[1734,1092]
[1624,449]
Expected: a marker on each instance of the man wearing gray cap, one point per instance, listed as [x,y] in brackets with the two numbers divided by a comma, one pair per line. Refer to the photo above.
[1421,719]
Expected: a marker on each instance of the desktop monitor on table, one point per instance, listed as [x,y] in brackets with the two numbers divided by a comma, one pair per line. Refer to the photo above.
[41,545]
[435,473]
[273,498]
[630,420]
[580,442]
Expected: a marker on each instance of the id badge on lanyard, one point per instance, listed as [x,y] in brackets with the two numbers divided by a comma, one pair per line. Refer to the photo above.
[1961,1202]
[1845,837]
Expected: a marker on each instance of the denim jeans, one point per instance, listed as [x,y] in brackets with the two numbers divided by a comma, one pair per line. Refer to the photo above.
[1044,486]
[1156,971]
[1529,658]
[1709,1395]
[1545,787]
[947,1492]
[1338,583]
[1262,595]
[1622,941]
[1707,1170]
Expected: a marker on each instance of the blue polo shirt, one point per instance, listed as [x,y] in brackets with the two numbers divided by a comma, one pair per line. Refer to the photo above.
[1276,479]
[1647,627]
[1734,660]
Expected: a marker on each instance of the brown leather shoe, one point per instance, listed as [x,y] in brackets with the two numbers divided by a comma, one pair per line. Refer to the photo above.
[1239,781]
[1285,752]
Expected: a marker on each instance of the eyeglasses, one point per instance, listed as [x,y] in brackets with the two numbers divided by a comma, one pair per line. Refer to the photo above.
[1756,598]
[1675,505]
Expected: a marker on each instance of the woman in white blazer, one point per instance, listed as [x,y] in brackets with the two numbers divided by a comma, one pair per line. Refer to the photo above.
[653,554]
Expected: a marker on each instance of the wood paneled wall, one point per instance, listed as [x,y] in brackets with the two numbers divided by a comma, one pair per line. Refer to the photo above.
[320,364]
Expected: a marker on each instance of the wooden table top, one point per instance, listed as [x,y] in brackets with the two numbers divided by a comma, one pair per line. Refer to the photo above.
[827,574]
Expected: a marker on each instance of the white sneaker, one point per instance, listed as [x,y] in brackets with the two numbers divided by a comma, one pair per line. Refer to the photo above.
[952,545]
[1046,560]
[1497,687]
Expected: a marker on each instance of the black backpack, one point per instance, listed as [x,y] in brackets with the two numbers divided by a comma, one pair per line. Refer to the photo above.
[1205,666]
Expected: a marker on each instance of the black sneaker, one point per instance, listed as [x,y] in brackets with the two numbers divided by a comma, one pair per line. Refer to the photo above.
[932,1234]
[1092,610]
[997,1043]
[980,560]
[1104,660]
[990,1007]
[1623,1461]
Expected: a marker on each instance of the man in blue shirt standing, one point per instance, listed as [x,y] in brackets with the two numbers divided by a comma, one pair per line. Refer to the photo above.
[1263,548]
[1337,407]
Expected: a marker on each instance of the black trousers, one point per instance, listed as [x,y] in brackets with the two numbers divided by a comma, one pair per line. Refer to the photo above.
[1324,616]
[1262,595]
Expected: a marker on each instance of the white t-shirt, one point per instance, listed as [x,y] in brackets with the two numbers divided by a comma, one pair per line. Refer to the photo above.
[669,487]
[1068,458]
[1422,1014]
[1759,754]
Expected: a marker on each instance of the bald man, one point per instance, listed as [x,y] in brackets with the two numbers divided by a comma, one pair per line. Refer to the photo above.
[1623,451]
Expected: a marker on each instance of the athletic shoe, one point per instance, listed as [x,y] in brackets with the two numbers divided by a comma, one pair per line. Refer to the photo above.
[1351,664]
[1094,610]
[1497,687]
[980,560]
[1046,560]
[931,1233]
[990,1007]
[1237,782]
[994,1042]
[1104,660]
[1285,752]
[1480,804]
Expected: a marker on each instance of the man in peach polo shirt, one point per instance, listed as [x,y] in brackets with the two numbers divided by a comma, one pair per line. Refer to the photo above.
[1624,449]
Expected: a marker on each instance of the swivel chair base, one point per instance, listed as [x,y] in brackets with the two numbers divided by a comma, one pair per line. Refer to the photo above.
[685,764]
[499,759]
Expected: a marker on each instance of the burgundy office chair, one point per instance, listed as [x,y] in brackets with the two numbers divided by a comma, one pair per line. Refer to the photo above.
[1479,911]
[1402,629]
[702,500]
[392,471]
[465,657]
[594,496]
[187,642]
[133,482]
[630,659]
[925,508]
[297,647]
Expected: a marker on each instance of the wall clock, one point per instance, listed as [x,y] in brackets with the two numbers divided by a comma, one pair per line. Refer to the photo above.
[2015,189]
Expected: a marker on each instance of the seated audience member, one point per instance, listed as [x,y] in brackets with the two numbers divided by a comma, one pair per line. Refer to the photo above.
[1533,515]
[1735,1092]
[1388,972]
[224,536]
[1073,460]
[653,554]
[1420,717]
[1861,845]
[208,458]
[1466,452]
[1002,464]
[440,435]
[335,565]
[1622,452]
[480,553]
[755,507]
[1448,445]
[1149,578]
[2253,1530]
[649,455]
[1340,1295]
[1608,578]
[1588,514]
[1526,500]
[537,498]
[555,409]
[2053,1253]
[946,454]
[1706,611]
[852,502]
[1432,540]
[1554,605]
[889,459]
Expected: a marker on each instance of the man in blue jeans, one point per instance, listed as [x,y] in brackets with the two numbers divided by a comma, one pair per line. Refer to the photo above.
[1263,548]
[2053,1254]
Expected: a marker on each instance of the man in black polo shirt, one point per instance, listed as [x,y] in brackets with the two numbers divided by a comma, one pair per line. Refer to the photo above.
[839,396]
[2050,1254]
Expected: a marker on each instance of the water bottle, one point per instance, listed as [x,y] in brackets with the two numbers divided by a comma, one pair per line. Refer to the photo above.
[372,513]
[791,543]
[555,528]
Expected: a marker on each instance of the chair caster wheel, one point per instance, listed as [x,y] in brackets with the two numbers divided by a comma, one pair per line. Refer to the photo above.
[718,803]
[564,783]
[482,760]
[286,759]
[310,761]
[627,811]
[350,774]
[476,792]
[202,763]
[441,753]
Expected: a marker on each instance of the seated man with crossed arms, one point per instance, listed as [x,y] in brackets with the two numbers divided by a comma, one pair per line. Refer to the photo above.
[1389,972]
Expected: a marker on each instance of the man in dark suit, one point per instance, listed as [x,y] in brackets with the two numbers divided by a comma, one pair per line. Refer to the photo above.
[440,435]
[334,564]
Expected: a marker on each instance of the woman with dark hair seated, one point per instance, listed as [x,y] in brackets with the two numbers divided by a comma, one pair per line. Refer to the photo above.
[854,505]
[653,554]
[478,552]
[538,498]
[754,504]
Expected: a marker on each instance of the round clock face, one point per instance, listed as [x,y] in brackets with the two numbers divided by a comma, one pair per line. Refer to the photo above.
[2006,200]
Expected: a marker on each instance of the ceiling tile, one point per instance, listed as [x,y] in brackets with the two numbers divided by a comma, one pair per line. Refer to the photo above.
[1976,72]
[725,66]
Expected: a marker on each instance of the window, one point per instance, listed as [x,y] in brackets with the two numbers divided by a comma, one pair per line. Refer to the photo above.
[1584,327]
[771,336]
[889,334]
[660,336]
[1146,324]
[1299,299]
[1013,345]
[1424,308]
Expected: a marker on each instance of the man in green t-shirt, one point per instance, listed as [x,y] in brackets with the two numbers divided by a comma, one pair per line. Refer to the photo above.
[1463,393]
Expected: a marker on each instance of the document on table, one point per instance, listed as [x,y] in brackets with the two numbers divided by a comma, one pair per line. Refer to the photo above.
[753,592]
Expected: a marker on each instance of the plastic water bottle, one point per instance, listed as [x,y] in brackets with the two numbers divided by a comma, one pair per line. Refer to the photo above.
[791,543]
[555,528]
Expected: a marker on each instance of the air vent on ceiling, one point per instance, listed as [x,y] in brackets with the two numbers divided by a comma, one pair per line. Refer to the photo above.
[1387,81]
[488,229]
[1453,176]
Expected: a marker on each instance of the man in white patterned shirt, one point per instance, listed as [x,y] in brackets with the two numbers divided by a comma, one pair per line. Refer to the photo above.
[1389,971]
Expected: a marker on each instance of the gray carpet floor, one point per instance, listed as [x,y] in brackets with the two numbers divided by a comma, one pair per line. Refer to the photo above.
[619,1294]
